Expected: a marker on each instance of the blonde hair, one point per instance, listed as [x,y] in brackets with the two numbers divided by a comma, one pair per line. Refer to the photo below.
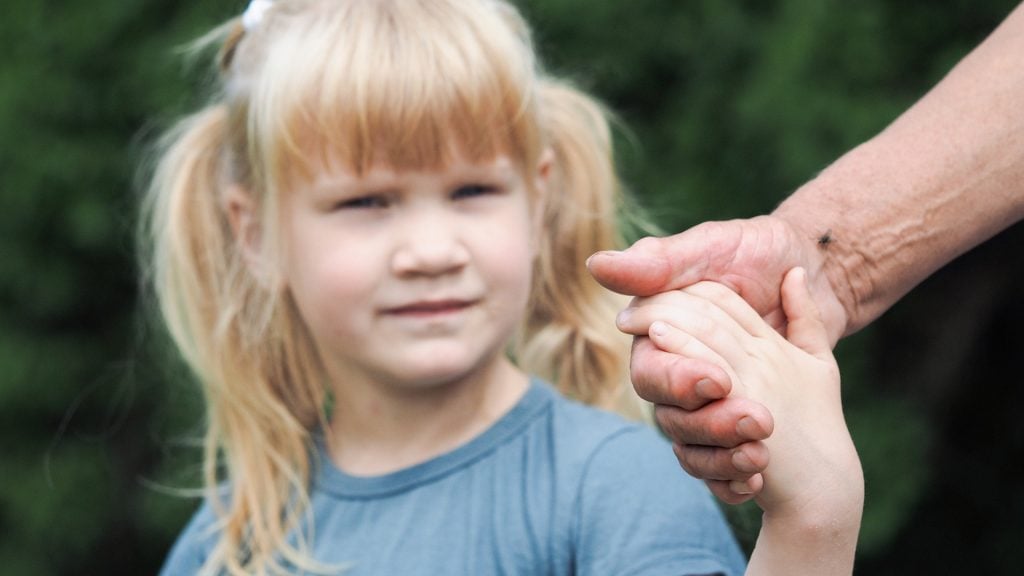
[409,82]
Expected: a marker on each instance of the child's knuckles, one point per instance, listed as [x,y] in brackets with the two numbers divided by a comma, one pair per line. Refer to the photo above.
[670,298]
[714,291]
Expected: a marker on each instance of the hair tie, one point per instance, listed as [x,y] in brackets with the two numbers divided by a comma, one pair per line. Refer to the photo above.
[253,14]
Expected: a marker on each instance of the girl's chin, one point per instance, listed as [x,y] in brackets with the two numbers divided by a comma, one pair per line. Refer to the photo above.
[440,372]
[442,377]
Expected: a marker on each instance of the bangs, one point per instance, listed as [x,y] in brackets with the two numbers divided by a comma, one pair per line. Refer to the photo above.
[405,83]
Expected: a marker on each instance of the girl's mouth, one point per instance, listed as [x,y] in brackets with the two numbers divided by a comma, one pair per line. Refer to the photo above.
[428,308]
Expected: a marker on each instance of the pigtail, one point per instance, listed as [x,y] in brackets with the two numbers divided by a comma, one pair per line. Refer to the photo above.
[570,334]
[238,334]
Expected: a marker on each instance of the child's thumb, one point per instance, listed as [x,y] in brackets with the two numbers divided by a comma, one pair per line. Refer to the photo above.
[805,328]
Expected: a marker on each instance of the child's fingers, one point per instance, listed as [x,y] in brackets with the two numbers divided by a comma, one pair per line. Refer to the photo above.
[691,318]
[732,304]
[692,337]
[805,329]
[687,336]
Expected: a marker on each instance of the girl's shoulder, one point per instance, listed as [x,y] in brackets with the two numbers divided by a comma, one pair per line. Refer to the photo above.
[195,543]
[629,494]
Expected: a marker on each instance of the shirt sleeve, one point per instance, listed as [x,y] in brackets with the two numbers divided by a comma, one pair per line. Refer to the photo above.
[639,513]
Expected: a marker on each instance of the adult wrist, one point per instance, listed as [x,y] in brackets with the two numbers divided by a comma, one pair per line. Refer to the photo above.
[828,252]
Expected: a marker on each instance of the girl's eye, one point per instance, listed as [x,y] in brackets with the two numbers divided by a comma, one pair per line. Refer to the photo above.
[363,202]
[473,190]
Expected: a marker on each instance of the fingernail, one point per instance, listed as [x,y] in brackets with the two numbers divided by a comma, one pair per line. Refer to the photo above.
[747,427]
[658,328]
[606,254]
[623,316]
[708,389]
[742,462]
[740,487]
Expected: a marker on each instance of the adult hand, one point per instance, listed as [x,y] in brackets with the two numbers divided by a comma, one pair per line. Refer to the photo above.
[718,436]
[749,256]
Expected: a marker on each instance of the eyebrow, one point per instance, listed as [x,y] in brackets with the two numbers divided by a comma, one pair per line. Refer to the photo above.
[334,181]
[501,167]
[386,179]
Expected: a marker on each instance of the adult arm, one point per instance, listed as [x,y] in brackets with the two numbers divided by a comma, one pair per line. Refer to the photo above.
[945,176]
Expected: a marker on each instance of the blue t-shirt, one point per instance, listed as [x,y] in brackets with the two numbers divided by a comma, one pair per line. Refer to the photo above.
[553,487]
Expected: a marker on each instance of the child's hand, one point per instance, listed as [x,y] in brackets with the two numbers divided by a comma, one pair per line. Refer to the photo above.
[814,474]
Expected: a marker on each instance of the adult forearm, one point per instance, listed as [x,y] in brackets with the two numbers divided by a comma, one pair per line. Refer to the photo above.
[945,176]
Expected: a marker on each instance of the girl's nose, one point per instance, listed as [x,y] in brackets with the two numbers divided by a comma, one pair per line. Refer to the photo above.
[430,245]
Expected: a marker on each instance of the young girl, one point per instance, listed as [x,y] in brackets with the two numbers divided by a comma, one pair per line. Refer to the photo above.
[370,247]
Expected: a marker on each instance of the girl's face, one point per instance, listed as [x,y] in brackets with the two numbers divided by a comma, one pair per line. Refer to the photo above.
[414,278]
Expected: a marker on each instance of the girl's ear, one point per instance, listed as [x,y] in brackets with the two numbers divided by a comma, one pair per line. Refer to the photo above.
[542,189]
[542,184]
[245,226]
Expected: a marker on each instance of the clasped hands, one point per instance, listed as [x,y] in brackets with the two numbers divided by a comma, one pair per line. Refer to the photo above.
[719,427]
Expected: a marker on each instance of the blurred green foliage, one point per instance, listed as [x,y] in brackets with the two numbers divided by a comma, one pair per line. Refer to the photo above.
[731,105]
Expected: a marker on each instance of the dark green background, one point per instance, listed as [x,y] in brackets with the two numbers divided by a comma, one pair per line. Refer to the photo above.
[731,106]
